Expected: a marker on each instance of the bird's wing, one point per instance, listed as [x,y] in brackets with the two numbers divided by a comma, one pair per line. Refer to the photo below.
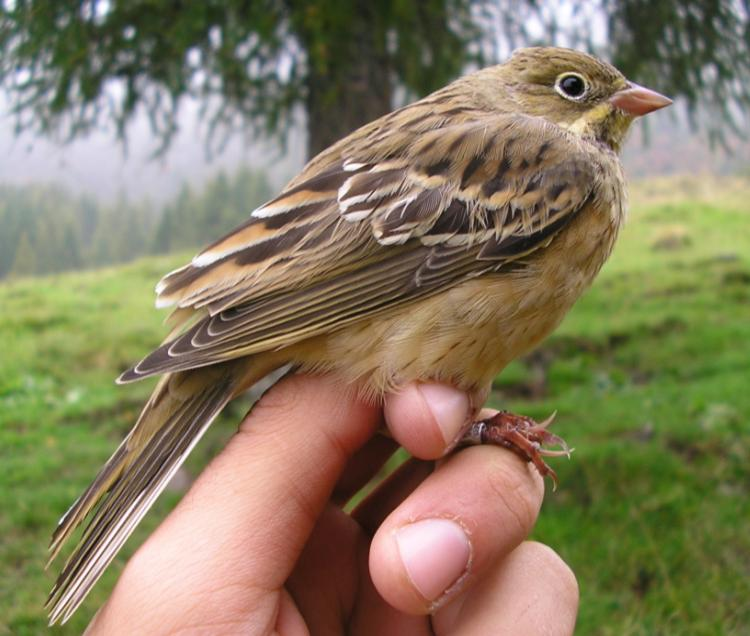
[390,219]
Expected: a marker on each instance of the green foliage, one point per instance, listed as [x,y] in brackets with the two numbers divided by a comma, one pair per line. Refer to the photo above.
[24,260]
[697,50]
[248,63]
[71,66]
[224,203]
[648,375]
[47,229]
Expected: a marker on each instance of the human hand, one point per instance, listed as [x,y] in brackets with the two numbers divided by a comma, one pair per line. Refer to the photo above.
[260,544]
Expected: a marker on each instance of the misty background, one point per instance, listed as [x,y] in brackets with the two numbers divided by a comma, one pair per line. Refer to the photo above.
[100,166]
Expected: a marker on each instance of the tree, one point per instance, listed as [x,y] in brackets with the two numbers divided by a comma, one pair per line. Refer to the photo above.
[224,203]
[24,263]
[72,65]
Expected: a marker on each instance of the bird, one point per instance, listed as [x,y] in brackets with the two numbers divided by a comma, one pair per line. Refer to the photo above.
[437,243]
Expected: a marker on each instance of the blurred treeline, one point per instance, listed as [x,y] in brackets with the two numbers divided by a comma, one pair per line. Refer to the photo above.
[47,229]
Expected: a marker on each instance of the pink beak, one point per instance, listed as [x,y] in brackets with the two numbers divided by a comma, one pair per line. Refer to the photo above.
[637,100]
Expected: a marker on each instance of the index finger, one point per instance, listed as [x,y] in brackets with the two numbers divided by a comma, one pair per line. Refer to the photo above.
[475,508]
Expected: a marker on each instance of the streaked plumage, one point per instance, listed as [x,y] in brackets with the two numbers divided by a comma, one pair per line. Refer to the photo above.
[438,242]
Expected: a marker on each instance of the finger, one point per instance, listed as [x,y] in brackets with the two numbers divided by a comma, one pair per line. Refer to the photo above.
[478,506]
[532,591]
[331,585]
[363,466]
[382,501]
[428,418]
[245,520]
[324,581]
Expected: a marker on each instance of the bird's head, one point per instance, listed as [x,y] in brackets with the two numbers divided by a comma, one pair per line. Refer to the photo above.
[577,92]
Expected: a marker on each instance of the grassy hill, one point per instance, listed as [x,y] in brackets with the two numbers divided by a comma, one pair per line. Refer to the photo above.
[650,376]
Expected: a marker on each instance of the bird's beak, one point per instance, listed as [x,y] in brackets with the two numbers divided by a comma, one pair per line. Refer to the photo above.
[638,100]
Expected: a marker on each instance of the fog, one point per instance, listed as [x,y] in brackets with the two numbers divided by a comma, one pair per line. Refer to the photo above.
[99,165]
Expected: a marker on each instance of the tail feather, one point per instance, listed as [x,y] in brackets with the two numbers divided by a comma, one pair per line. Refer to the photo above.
[83,505]
[180,410]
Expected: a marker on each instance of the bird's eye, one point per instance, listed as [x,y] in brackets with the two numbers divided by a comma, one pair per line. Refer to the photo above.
[571,85]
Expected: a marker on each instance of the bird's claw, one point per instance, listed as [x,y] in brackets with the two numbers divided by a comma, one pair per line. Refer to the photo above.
[521,434]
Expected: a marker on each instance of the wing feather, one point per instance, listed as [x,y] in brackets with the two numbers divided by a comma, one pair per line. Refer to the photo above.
[385,222]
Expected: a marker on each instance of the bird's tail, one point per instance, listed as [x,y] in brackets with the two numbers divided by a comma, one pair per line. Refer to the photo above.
[179,411]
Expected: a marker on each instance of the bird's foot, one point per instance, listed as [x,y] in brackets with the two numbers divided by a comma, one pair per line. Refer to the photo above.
[521,434]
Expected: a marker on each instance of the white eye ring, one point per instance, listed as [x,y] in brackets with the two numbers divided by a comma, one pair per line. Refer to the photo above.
[567,95]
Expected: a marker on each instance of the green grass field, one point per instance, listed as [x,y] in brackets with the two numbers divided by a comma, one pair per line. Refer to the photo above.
[650,375]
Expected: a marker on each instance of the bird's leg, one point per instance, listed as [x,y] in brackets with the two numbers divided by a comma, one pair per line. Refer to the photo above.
[522,435]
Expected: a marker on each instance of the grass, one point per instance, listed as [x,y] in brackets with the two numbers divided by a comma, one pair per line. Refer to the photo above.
[650,375]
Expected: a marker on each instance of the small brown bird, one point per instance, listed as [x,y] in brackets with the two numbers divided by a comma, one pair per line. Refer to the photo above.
[439,242]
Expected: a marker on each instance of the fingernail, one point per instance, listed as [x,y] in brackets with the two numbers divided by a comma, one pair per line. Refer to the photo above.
[435,553]
[449,407]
